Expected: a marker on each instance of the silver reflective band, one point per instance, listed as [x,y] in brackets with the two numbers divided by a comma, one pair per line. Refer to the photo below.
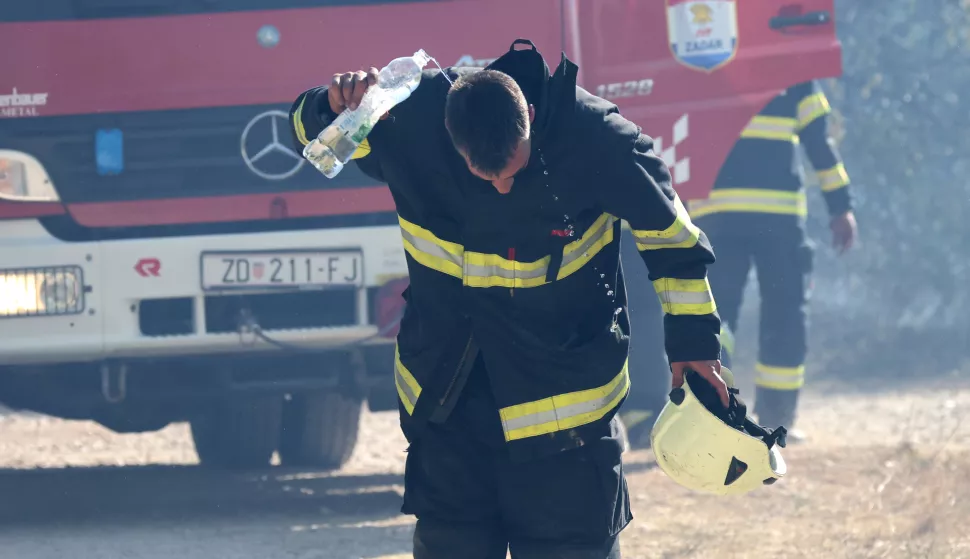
[404,387]
[564,413]
[746,201]
[584,248]
[685,297]
[680,237]
[771,126]
[779,378]
[750,200]
[429,247]
[472,270]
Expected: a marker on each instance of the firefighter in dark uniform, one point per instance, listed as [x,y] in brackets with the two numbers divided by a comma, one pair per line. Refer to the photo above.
[755,216]
[512,353]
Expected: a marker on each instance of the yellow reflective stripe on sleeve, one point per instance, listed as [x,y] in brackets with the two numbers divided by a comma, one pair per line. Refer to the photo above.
[408,389]
[578,253]
[727,339]
[685,296]
[428,250]
[752,200]
[814,106]
[363,150]
[491,270]
[681,234]
[779,378]
[771,128]
[833,179]
[565,411]
[298,123]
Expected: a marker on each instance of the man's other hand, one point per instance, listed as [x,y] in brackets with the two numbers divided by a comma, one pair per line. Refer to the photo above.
[844,231]
[347,89]
[709,370]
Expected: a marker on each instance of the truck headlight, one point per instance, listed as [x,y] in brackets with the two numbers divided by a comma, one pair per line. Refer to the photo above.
[23,178]
[46,291]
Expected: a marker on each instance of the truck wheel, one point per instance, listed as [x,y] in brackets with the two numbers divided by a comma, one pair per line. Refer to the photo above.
[319,429]
[383,398]
[241,433]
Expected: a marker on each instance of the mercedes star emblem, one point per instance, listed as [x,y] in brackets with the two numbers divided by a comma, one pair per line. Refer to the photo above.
[262,150]
[268,36]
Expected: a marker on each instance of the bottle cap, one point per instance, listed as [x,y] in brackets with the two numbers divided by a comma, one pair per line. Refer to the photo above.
[422,58]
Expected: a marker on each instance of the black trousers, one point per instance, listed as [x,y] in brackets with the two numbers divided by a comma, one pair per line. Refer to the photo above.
[782,257]
[472,502]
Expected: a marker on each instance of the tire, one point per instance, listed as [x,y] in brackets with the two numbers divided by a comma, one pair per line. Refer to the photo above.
[319,429]
[382,398]
[242,433]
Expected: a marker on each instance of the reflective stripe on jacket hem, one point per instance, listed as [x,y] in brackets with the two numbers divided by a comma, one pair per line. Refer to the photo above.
[775,128]
[565,411]
[751,200]
[408,389]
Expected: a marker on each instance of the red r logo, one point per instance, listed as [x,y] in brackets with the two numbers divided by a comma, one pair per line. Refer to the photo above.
[149,267]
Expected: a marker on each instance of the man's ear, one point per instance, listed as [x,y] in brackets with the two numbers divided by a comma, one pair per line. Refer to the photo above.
[532,113]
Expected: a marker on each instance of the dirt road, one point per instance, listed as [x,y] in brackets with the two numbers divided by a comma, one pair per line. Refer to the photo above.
[886,475]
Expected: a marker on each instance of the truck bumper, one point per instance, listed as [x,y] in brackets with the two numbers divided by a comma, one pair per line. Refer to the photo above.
[144,298]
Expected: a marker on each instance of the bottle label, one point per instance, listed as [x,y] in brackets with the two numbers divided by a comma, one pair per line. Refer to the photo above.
[361,134]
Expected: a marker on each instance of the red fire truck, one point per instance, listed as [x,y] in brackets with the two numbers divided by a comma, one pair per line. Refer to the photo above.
[166,254]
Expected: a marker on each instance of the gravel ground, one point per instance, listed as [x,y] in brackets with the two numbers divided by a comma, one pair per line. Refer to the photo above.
[885,475]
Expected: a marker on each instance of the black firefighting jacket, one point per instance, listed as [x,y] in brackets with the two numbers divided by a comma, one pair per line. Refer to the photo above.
[762,179]
[530,280]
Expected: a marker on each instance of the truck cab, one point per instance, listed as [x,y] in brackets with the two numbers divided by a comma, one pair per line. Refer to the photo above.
[167,255]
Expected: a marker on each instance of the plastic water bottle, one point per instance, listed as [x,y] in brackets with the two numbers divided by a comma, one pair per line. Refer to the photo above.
[336,144]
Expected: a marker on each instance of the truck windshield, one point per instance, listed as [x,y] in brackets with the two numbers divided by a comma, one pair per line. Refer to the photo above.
[61,10]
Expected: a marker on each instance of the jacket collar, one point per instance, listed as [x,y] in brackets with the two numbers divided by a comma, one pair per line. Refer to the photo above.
[550,94]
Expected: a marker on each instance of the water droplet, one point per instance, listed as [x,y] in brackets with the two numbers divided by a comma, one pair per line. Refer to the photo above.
[607,286]
[610,292]
[545,172]
[602,275]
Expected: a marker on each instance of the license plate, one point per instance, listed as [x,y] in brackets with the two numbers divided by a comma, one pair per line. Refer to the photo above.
[269,270]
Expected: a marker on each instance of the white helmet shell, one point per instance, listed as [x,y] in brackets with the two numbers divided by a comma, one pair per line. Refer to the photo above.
[702,453]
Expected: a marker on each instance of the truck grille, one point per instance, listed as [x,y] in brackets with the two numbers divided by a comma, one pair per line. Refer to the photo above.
[272,311]
[282,311]
[168,154]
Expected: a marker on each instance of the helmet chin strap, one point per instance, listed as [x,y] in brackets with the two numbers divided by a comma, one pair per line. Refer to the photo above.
[736,414]
[769,436]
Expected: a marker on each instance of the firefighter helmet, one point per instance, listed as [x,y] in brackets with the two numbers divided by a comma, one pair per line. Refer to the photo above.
[705,447]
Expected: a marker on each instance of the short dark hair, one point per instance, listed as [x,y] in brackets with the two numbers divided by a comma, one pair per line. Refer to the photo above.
[487,117]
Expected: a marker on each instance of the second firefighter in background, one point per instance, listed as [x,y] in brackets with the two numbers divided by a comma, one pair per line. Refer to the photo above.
[755,216]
